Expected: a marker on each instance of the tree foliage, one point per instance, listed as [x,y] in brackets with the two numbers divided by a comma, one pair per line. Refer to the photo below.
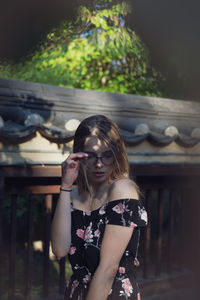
[98,52]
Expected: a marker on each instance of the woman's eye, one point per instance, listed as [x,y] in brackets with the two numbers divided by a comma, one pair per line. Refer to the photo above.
[90,156]
[108,155]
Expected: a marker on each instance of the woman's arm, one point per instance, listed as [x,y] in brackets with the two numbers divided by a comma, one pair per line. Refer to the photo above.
[61,225]
[114,243]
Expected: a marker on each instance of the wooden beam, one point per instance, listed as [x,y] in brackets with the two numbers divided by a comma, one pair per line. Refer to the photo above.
[31,171]
[35,189]
[138,170]
[165,169]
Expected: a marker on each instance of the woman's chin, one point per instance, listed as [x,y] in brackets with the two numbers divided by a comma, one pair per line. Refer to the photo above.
[98,178]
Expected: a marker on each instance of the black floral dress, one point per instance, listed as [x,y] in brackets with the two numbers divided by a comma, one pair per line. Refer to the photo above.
[87,234]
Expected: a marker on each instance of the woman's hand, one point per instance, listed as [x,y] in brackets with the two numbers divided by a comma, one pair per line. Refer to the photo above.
[61,225]
[70,169]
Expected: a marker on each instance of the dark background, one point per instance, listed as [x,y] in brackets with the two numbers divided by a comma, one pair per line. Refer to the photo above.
[170,29]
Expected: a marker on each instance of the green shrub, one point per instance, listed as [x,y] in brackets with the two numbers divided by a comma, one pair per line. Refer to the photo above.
[98,52]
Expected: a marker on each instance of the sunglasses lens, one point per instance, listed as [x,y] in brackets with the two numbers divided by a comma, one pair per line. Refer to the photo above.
[107,159]
[91,159]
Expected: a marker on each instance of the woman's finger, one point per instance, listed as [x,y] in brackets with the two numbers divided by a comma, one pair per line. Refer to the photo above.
[70,164]
[77,155]
[74,157]
[73,164]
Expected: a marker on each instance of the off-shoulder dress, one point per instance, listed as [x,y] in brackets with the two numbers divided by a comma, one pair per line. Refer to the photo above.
[87,234]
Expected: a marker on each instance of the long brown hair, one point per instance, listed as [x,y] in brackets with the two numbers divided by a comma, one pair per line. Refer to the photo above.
[107,131]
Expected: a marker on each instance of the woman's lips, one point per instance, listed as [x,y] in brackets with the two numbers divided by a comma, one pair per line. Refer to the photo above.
[99,174]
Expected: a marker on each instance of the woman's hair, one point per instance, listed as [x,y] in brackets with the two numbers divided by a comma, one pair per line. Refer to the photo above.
[107,131]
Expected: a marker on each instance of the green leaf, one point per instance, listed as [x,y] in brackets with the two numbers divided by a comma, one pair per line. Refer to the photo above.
[98,51]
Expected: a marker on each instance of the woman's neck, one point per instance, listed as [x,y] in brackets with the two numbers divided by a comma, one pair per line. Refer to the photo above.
[98,191]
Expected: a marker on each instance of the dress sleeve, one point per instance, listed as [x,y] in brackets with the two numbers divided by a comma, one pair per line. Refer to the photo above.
[126,212]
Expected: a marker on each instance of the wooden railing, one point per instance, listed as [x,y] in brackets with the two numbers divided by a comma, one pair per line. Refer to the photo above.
[161,249]
[168,261]
[47,192]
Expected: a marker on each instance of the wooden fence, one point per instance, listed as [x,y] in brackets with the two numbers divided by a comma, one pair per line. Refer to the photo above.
[172,206]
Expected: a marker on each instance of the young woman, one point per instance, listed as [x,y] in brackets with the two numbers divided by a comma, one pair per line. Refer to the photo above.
[98,222]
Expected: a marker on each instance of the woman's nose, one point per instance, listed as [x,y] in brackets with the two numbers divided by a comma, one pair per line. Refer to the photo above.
[99,162]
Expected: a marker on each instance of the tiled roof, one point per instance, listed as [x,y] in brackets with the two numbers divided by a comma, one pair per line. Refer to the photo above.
[55,112]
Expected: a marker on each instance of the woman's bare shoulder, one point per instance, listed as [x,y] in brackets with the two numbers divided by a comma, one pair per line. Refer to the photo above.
[123,188]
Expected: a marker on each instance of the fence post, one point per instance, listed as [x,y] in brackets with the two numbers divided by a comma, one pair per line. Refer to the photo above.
[159,235]
[28,291]
[1,223]
[147,235]
[12,260]
[48,210]
[172,199]
[62,279]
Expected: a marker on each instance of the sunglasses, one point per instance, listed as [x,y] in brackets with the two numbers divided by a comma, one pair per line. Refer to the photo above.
[107,158]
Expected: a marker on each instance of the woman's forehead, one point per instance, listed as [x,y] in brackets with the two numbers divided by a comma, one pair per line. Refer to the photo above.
[93,143]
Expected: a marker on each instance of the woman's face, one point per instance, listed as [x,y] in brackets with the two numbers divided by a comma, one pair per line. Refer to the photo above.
[99,164]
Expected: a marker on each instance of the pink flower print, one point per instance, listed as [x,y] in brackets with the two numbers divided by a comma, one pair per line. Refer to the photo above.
[127,287]
[136,262]
[74,285]
[80,233]
[138,296]
[88,234]
[133,225]
[143,214]
[110,292]
[87,278]
[102,210]
[72,250]
[97,233]
[119,208]
[121,270]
